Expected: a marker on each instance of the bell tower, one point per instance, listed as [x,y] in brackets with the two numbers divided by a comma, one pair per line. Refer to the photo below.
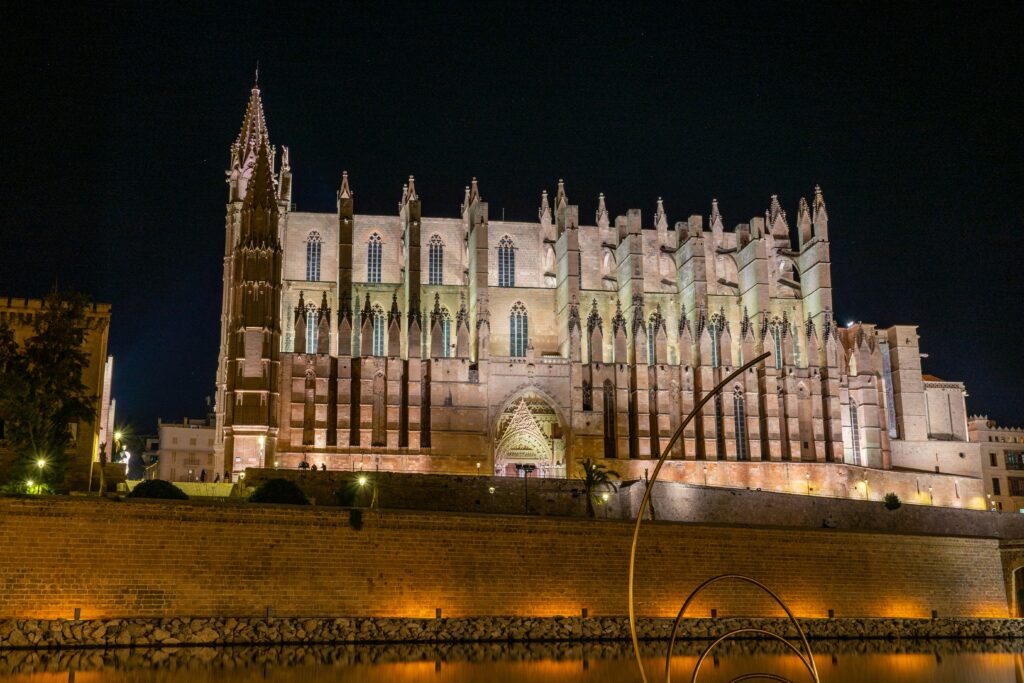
[248,365]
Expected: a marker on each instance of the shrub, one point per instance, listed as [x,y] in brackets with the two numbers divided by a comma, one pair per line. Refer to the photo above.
[158,488]
[892,501]
[279,491]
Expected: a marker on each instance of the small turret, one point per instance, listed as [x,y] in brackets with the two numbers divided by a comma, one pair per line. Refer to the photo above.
[820,215]
[775,220]
[803,223]
[544,214]
[660,218]
[345,206]
[602,212]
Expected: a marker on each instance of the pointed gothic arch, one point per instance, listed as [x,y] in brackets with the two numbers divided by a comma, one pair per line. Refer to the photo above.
[530,428]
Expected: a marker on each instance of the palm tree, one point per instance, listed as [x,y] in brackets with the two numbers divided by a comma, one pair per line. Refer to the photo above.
[595,478]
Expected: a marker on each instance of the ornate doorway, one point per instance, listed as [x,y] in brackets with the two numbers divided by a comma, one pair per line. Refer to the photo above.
[529,432]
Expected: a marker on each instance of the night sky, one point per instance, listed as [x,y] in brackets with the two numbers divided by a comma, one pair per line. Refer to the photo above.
[117,125]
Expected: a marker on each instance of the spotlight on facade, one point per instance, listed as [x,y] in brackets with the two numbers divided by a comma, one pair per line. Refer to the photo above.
[262,440]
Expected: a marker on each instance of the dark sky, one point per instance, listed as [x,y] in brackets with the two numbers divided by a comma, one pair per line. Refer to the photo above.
[117,124]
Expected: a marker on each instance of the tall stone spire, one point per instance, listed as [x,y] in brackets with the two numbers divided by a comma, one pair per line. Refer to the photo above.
[775,219]
[803,222]
[716,216]
[411,194]
[474,193]
[246,147]
[602,212]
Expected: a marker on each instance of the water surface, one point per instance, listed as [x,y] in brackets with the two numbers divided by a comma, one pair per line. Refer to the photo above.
[931,661]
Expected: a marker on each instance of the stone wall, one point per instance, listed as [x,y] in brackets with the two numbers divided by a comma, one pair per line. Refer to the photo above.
[66,633]
[672,502]
[160,559]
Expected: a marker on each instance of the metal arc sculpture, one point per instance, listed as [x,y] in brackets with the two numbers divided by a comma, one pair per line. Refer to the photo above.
[807,659]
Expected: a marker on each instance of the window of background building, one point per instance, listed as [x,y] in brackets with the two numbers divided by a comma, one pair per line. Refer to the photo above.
[1016,485]
[995,486]
[1015,460]
[992,460]
[854,432]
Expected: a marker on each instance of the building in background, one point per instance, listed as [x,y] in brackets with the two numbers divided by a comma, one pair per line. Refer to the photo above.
[186,451]
[447,344]
[83,450]
[1002,462]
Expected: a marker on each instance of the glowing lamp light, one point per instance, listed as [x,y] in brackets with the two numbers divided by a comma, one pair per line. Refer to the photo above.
[117,436]
[41,463]
[262,440]
[30,483]
[362,481]
[604,497]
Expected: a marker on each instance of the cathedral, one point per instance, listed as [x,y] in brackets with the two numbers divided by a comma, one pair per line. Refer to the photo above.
[470,345]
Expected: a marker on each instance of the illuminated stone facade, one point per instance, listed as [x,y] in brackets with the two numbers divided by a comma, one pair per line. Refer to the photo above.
[415,343]
[1002,463]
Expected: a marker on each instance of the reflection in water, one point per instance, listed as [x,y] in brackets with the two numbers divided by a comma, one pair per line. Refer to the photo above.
[838,662]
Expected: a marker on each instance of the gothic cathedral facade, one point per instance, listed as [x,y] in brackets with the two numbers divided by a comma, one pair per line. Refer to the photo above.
[457,344]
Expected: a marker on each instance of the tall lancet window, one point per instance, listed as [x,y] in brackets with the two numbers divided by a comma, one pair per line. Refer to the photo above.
[854,432]
[435,260]
[740,416]
[374,249]
[446,332]
[312,327]
[716,351]
[518,330]
[506,262]
[313,257]
[650,343]
[777,340]
[378,330]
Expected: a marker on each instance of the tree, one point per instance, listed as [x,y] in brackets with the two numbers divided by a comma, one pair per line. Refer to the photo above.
[280,491]
[41,388]
[596,479]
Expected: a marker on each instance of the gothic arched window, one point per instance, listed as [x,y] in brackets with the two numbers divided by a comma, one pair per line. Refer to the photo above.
[311,328]
[777,340]
[518,330]
[313,256]
[374,249]
[446,334]
[506,262]
[378,330]
[608,406]
[854,432]
[714,329]
[740,416]
[435,260]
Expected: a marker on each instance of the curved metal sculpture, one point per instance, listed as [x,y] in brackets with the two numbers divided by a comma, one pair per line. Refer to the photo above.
[644,503]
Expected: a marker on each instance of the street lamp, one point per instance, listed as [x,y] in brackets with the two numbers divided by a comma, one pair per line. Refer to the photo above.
[705,475]
[931,496]
[865,488]
[808,478]
[30,484]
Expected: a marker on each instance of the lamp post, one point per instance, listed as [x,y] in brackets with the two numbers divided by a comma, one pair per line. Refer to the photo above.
[808,478]
[865,488]
[705,475]
[931,496]
[525,469]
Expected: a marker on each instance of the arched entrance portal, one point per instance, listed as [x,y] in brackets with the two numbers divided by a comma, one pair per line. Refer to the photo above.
[529,432]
